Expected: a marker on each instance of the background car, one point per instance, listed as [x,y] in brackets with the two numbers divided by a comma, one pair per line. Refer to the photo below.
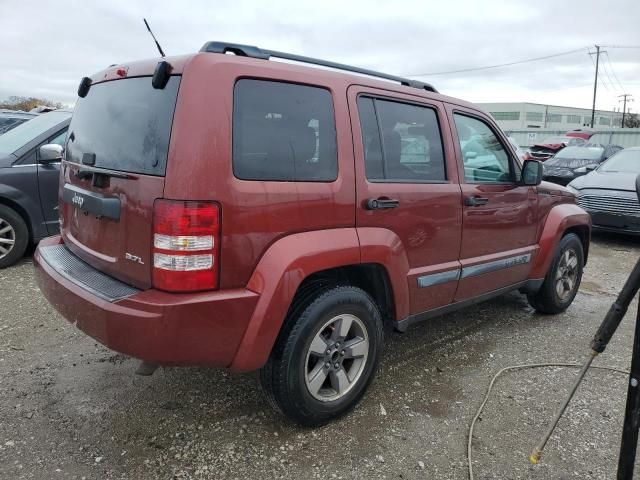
[551,145]
[572,162]
[584,133]
[608,193]
[10,119]
[29,183]
[519,151]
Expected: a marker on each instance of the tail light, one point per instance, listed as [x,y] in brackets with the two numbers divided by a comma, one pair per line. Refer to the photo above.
[186,237]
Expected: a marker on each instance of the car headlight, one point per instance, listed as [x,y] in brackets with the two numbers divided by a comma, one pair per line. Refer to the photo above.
[573,190]
[585,169]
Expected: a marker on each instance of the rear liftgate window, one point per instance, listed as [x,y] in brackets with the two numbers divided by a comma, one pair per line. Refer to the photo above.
[283,132]
[126,124]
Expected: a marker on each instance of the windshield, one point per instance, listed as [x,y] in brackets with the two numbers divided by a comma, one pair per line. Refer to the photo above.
[586,153]
[126,124]
[17,137]
[7,123]
[624,161]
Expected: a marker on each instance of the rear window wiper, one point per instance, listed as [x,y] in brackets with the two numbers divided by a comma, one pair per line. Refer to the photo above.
[87,171]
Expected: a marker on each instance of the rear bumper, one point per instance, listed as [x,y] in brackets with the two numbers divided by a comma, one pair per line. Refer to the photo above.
[158,327]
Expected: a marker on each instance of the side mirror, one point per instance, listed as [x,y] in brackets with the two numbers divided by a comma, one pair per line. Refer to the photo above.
[531,173]
[50,153]
[470,155]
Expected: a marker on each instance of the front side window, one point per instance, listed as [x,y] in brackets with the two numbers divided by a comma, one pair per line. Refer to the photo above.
[59,139]
[401,142]
[485,159]
[283,132]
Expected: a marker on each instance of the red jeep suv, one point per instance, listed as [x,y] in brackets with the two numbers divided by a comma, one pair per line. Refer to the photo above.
[246,213]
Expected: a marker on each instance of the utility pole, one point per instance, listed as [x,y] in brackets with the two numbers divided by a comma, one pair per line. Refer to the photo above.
[595,85]
[624,105]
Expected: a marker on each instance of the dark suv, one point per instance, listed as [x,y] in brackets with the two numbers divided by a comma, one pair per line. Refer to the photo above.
[30,157]
[233,211]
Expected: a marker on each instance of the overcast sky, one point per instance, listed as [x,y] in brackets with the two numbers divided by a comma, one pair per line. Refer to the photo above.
[46,47]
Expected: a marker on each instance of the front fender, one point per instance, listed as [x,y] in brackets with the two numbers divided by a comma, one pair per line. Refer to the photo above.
[276,279]
[560,219]
[15,196]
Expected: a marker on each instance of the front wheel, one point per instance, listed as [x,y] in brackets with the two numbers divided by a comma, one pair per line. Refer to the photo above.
[14,236]
[562,281]
[325,357]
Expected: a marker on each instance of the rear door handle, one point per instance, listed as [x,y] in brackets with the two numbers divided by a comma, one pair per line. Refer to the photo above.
[475,201]
[382,203]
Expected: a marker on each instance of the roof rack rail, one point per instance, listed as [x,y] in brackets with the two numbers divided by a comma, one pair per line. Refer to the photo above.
[255,52]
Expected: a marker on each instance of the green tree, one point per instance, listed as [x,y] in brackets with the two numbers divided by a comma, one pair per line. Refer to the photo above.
[27,103]
[631,120]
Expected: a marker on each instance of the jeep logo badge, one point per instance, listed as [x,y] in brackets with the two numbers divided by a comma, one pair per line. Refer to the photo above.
[77,199]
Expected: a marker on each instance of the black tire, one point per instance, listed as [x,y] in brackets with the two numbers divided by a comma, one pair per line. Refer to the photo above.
[284,378]
[547,300]
[20,234]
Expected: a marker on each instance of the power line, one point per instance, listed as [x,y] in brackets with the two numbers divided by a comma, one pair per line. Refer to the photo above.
[613,71]
[475,69]
[605,69]
[621,46]
[599,74]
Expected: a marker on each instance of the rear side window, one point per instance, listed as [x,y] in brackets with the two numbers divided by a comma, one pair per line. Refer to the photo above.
[126,124]
[402,142]
[283,132]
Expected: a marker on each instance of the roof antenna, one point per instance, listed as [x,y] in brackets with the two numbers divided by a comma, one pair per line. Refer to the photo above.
[154,38]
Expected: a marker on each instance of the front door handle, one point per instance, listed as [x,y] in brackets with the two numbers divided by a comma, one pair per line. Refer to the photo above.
[475,201]
[382,203]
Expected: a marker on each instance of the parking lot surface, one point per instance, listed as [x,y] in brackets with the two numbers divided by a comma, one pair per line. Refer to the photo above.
[69,408]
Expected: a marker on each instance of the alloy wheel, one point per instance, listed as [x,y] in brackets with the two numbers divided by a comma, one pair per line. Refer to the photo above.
[567,274]
[7,238]
[336,358]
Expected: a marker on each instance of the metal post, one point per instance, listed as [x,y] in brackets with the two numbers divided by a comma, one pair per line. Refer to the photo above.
[624,106]
[595,86]
[629,442]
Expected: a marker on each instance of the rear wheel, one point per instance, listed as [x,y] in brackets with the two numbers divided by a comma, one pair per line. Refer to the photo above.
[325,357]
[562,281]
[14,236]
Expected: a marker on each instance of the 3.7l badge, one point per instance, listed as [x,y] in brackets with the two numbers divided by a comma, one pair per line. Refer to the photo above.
[133,258]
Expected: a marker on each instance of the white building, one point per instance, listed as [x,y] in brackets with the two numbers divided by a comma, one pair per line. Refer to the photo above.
[518,115]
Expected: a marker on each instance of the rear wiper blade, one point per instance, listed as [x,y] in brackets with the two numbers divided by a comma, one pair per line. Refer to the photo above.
[86,171]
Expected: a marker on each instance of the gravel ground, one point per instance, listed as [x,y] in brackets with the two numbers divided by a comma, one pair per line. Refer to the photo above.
[70,408]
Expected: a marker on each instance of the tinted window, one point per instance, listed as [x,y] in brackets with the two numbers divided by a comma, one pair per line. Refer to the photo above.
[126,124]
[21,135]
[485,159]
[283,132]
[401,142]
[59,138]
